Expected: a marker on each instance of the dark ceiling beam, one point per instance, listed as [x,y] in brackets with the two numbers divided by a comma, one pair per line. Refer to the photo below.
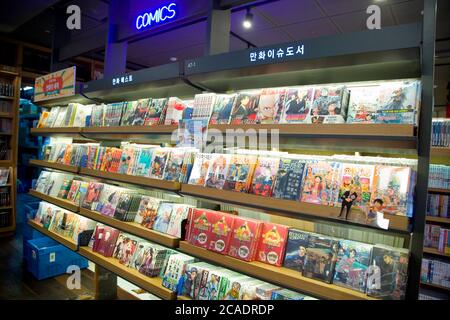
[239,5]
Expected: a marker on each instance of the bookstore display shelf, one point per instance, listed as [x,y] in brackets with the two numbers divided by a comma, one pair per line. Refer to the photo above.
[440,152]
[153,134]
[183,298]
[5,163]
[6,98]
[438,219]
[6,115]
[71,206]
[293,208]
[434,286]
[8,73]
[69,243]
[152,285]
[279,275]
[143,181]
[439,191]
[133,228]
[70,132]
[435,252]
[6,208]
[53,165]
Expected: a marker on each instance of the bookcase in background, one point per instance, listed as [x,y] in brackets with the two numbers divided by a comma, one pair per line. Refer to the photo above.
[9,114]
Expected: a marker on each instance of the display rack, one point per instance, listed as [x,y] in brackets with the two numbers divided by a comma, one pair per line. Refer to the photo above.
[405,51]
[10,120]
[69,243]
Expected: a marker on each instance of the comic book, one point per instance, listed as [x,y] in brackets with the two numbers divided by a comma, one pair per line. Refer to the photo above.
[223,105]
[392,186]
[97,115]
[175,269]
[389,102]
[51,118]
[64,190]
[200,168]
[270,105]
[108,241]
[388,273]
[272,243]
[200,227]
[113,114]
[92,195]
[240,173]
[82,115]
[129,111]
[127,159]
[329,104]
[174,111]
[147,211]
[296,245]
[163,217]
[318,183]
[82,190]
[179,213]
[288,181]
[286,294]
[123,204]
[109,206]
[353,259]
[218,170]
[245,108]
[264,177]
[59,121]
[42,123]
[156,110]
[71,195]
[143,162]
[357,178]
[221,231]
[264,291]
[105,195]
[244,238]
[153,259]
[174,163]
[159,161]
[321,256]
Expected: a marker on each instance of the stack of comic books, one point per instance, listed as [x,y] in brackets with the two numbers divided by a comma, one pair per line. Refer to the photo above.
[440,136]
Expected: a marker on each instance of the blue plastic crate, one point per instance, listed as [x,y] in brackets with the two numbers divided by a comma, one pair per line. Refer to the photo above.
[29,233]
[47,258]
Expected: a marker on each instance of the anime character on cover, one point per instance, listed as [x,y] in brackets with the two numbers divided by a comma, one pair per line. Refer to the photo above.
[317,187]
[297,105]
[245,109]
[217,171]
[146,265]
[326,102]
[190,276]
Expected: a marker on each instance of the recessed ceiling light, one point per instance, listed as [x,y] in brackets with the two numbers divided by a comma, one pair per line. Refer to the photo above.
[248,20]
[173,59]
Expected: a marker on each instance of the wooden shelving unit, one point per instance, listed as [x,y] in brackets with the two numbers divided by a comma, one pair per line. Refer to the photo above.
[152,285]
[53,165]
[440,152]
[278,206]
[435,252]
[71,206]
[434,286]
[439,191]
[282,276]
[438,219]
[69,243]
[132,228]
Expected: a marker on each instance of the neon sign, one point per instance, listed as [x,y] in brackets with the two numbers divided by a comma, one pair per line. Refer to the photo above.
[157,16]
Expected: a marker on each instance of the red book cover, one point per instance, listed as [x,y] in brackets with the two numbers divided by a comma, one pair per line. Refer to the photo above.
[244,238]
[200,232]
[98,237]
[108,242]
[272,243]
[221,230]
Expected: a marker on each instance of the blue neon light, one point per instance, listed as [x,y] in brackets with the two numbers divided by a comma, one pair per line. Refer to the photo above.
[158,16]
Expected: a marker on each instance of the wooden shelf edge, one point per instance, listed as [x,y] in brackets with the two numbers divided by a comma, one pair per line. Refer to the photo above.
[435,252]
[117,130]
[152,285]
[58,130]
[440,152]
[143,181]
[132,228]
[69,243]
[279,275]
[56,201]
[438,219]
[53,165]
[438,191]
[275,206]
[434,286]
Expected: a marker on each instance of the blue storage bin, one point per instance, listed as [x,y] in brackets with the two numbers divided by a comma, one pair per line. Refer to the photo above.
[29,233]
[47,258]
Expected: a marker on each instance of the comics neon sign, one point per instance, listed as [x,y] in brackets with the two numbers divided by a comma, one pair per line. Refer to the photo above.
[156,16]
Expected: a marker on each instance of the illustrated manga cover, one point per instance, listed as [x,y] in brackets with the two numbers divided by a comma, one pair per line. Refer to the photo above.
[240,172]
[104,198]
[140,112]
[179,214]
[175,269]
[140,255]
[248,290]
[245,108]
[212,286]
[286,294]
[107,244]
[222,108]
[394,102]
[318,182]
[79,197]
[388,273]
[155,111]
[244,238]
[357,178]
[270,105]
[392,187]
[221,231]
[158,165]
[203,106]
[174,112]
[123,204]
[264,176]
[143,163]
[264,291]
[200,233]
[200,169]
[218,170]
[147,211]
[92,195]
[353,259]
[233,290]
[297,243]
[192,133]
[97,115]
[64,190]
[153,259]
[272,243]
[321,256]
[163,217]
[329,105]
[288,181]
[174,164]
[127,160]
[110,205]
[73,190]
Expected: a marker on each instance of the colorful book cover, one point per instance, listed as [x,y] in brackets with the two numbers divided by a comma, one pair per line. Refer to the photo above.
[153,259]
[221,231]
[174,164]
[144,162]
[200,227]
[64,190]
[297,243]
[200,168]
[222,108]
[179,214]
[245,108]
[147,211]
[73,190]
[128,113]
[388,273]
[110,204]
[240,173]
[157,108]
[357,178]
[286,294]
[158,164]
[264,176]
[105,194]
[272,243]
[318,183]
[321,256]
[244,238]
[163,217]
[288,181]
[123,204]
[353,260]
[92,195]
[174,111]
[127,160]
[108,241]
[329,105]
[270,105]
[218,170]
[82,190]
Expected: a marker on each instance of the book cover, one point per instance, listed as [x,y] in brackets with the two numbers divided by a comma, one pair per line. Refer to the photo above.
[127,160]
[240,173]
[200,227]
[109,206]
[174,113]
[270,105]
[179,213]
[123,204]
[174,164]
[64,190]
[318,183]
[163,217]
[272,243]
[288,181]
[153,260]
[357,178]
[200,168]
[108,241]
[221,231]
[244,238]
[92,195]
[223,105]
[129,111]
[245,108]
[321,256]
[329,105]
[297,243]
[143,162]
[105,193]
[218,170]
[157,108]
[158,164]
[264,176]
[71,195]
[147,211]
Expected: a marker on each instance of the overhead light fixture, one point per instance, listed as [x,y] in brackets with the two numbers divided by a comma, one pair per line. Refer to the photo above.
[248,21]
[173,59]
[27,88]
